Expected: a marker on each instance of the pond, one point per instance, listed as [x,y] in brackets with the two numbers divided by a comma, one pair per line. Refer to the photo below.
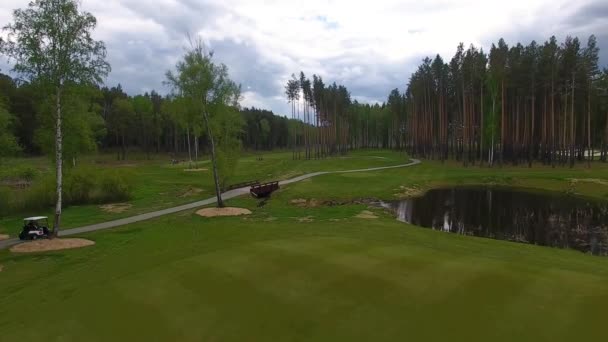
[556,220]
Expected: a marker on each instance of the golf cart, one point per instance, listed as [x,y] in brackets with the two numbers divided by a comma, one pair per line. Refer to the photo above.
[35,228]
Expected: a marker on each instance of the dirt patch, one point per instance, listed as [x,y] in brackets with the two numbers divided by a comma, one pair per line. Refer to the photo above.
[191,192]
[268,219]
[227,211]
[366,214]
[1,268]
[195,170]
[589,180]
[4,237]
[300,202]
[408,191]
[305,219]
[50,245]
[304,203]
[115,208]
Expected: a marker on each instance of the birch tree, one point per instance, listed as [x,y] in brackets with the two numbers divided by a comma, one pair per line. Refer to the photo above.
[50,43]
[212,92]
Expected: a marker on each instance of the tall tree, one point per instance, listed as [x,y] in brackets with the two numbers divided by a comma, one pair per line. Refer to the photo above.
[51,43]
[212,93]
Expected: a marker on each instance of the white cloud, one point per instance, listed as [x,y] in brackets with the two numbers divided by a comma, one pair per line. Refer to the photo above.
[369,46]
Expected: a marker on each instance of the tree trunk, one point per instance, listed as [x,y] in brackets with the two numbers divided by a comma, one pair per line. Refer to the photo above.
[216,179]
[58,163]
[590,157]
[188,142]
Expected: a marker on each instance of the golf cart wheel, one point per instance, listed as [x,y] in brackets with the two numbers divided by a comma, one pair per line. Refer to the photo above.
[34,237]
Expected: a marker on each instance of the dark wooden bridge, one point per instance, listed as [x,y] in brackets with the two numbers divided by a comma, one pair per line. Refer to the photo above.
[264,189]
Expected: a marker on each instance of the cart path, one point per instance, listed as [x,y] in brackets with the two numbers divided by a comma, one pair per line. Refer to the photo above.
[225,195]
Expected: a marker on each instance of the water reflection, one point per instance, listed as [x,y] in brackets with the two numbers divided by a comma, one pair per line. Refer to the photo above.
[549,220]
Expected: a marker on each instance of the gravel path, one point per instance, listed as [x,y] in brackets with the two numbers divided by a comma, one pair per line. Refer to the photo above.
[226,195]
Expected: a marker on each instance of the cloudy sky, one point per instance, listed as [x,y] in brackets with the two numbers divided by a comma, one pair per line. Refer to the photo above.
[369,46]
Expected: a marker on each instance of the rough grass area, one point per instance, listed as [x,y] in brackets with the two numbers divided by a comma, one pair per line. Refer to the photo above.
[339,278]
[156,184]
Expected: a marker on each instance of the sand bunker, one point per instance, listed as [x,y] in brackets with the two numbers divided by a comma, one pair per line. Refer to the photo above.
[3,237]
[366,214]
[227,211]
[115,207]
[195,170]
[46,245]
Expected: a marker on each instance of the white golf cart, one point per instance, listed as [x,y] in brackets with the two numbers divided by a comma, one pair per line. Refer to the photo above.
[35,228]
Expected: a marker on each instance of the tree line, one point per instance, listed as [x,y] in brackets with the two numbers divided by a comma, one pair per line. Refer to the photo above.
[107,119]
[329,122]
[540,102]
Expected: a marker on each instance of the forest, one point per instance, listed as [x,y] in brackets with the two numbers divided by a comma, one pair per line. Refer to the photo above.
[107,119]
[518,104]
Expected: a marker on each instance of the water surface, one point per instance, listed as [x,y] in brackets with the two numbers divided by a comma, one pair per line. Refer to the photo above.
[547,219]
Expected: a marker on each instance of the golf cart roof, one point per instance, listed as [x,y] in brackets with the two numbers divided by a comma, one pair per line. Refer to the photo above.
[35,218]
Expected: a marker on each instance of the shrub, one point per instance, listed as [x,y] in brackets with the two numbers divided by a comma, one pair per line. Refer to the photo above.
[28,173]
[79,185]
[5,201]
[41,194]
[114,187]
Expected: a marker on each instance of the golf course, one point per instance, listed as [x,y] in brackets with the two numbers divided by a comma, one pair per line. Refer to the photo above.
[296,272]
[332,171]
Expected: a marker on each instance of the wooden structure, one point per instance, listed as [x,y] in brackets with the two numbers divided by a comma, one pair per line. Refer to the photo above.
[264,190]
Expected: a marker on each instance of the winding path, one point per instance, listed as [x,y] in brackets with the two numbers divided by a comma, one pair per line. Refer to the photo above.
[226,195]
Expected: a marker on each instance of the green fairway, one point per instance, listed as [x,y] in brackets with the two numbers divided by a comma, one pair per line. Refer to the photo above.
[289,273]
[337,278]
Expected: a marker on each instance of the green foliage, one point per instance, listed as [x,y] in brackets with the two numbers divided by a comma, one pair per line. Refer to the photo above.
[36,42]
[227,128]
[26,173]
[207,91]
[114,186]
[40,196]
[6,197]
[82,185]
[83,127]
[8,143]
[79,185]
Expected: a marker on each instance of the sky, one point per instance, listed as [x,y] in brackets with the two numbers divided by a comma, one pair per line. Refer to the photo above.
[370,47]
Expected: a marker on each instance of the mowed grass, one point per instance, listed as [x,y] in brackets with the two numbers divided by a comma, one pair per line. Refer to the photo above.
[288,273]
[270,277]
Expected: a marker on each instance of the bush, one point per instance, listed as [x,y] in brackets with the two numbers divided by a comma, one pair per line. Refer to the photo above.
[114,187]
[5,201]
[28,173]
[40,195]
[82,185]
[79,185]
